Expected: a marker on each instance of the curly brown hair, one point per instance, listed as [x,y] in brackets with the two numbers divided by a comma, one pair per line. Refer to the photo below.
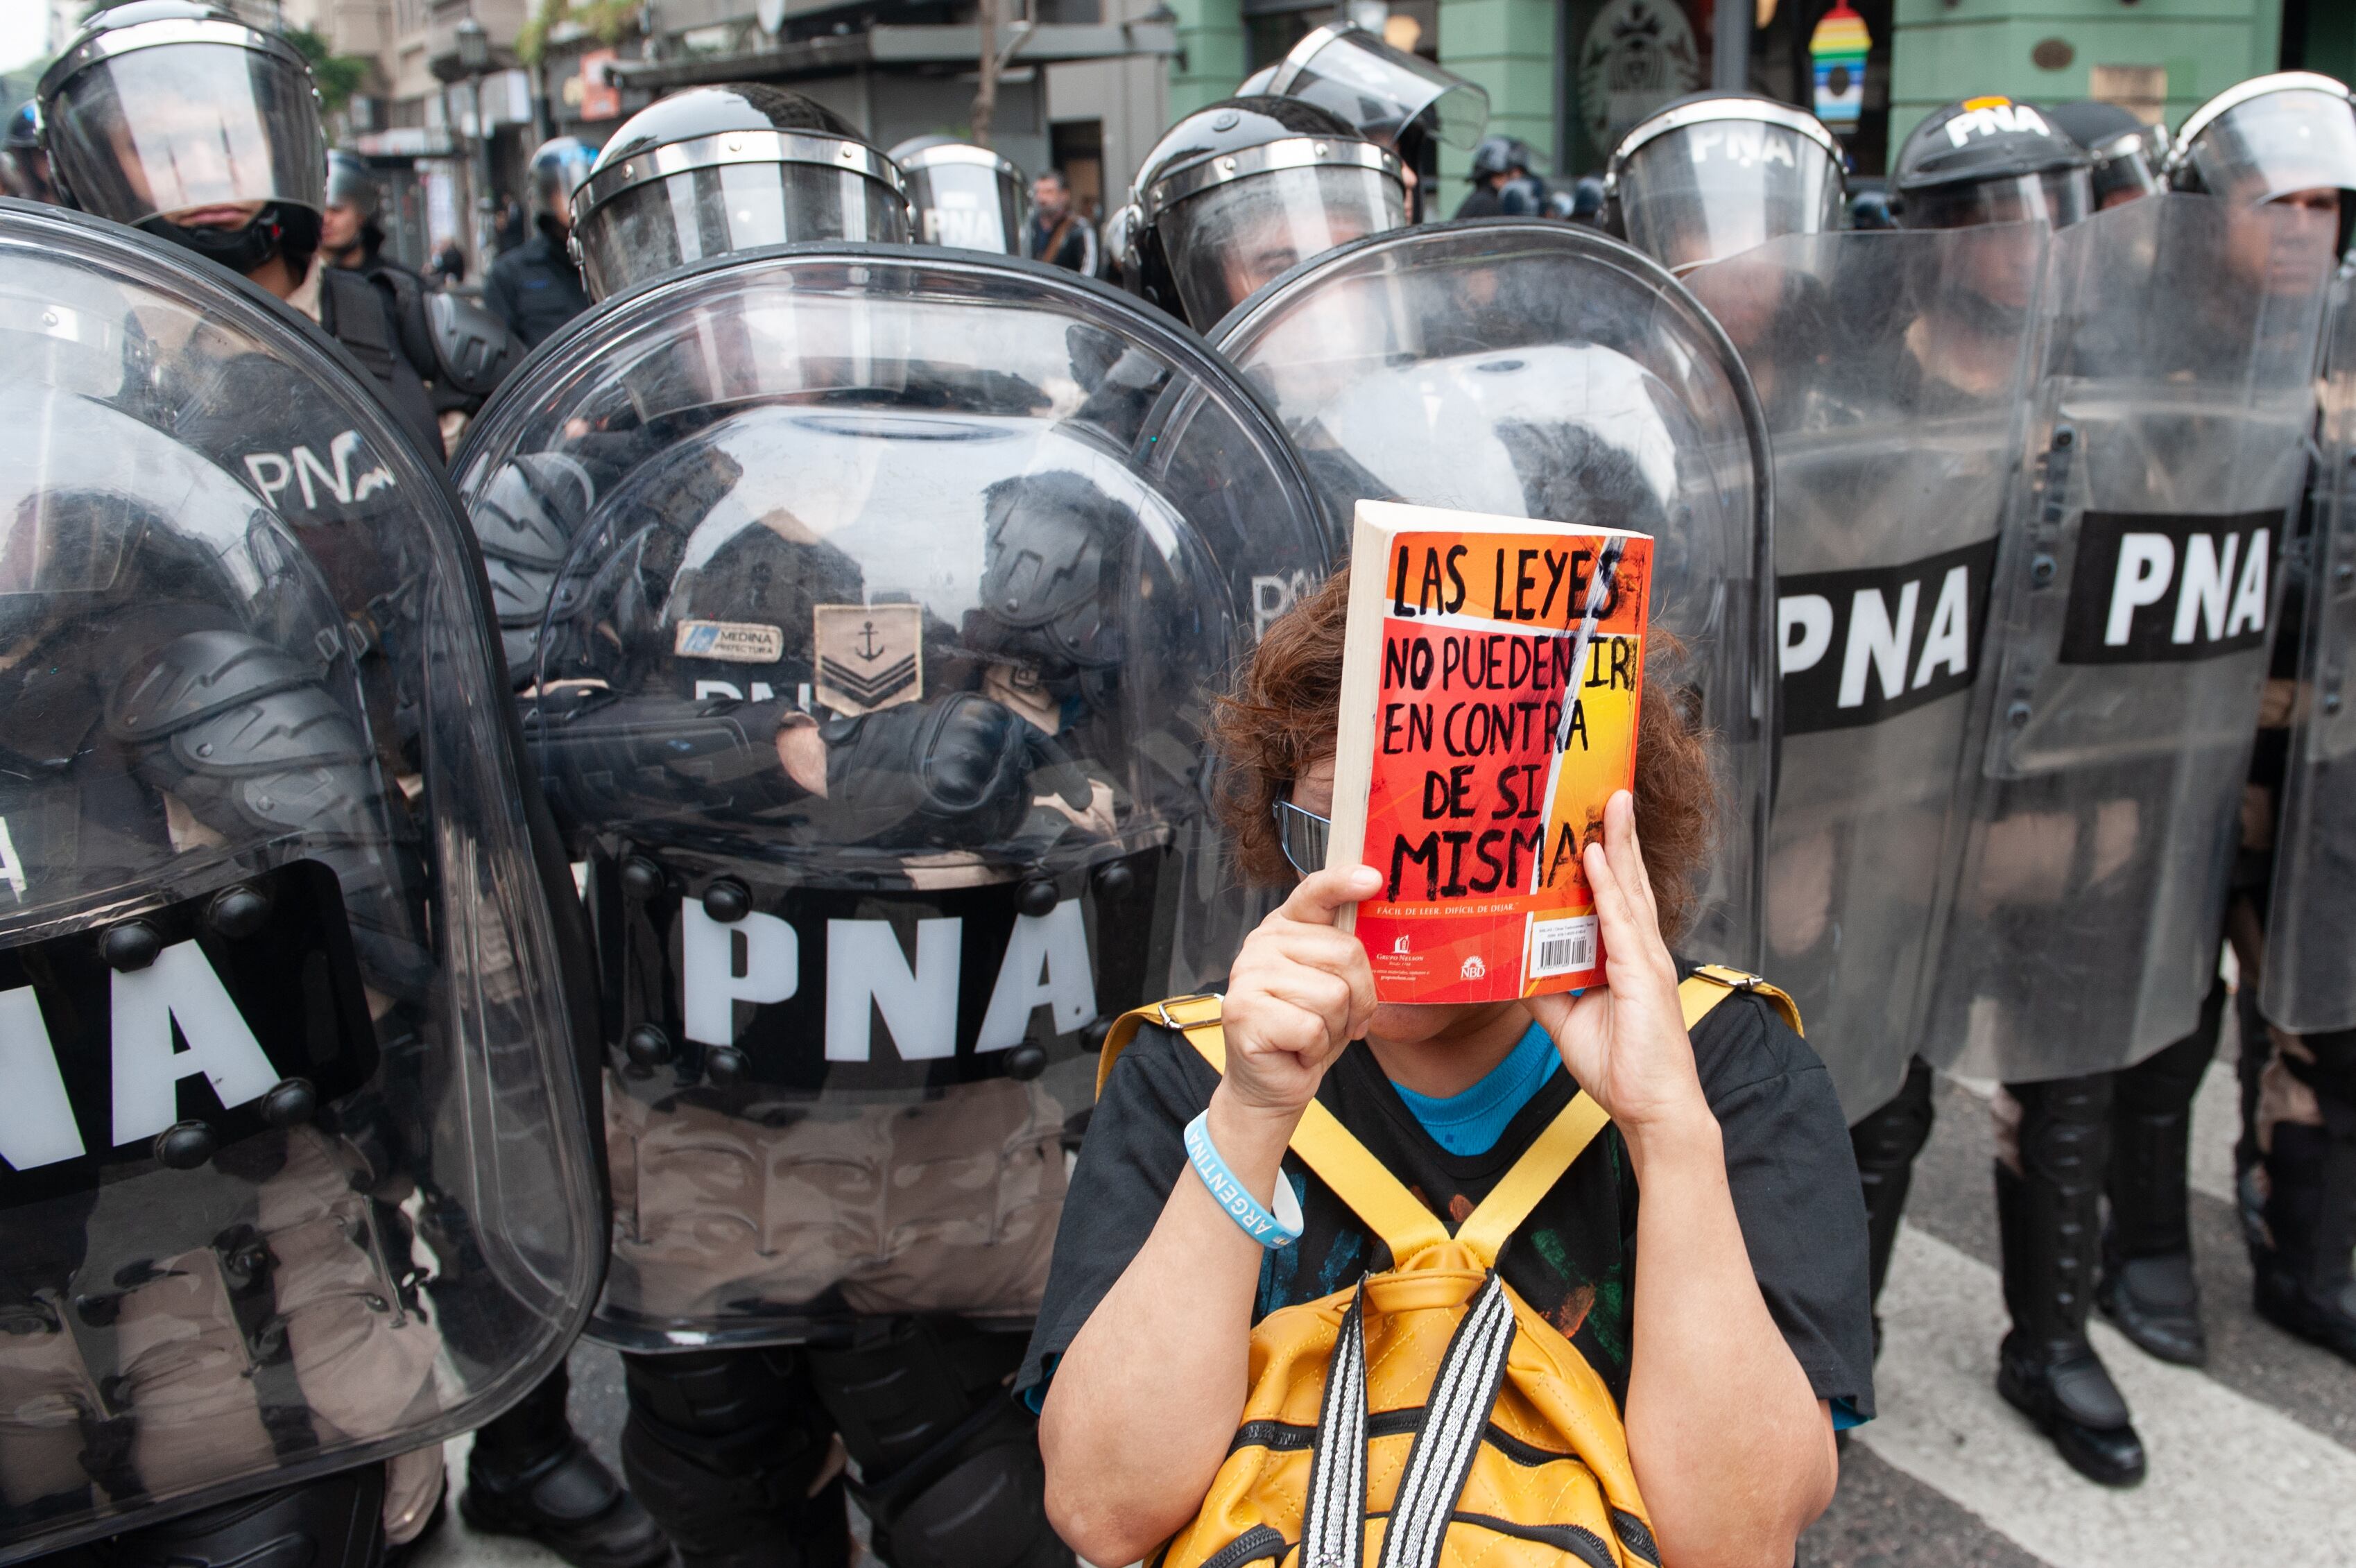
[1279,719]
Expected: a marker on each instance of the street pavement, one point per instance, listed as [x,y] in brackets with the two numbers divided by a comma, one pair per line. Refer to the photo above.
[2252,1459]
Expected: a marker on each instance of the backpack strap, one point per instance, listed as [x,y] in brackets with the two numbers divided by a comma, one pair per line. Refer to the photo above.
[1324,1143]
[1368,1186]
[1544,1162]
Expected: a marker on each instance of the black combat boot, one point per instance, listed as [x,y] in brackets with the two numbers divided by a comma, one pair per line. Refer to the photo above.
[2047,1213]
[1886,1142]
[530,1475]
[2303,1281]
[2148,1287]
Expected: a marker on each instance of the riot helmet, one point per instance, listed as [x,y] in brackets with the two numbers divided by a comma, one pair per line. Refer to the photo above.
[1386,95]
[557,169]
[962,195]
[179,119]
[2286,137]
[1496,156]
[1988,160]
[348,229]
[1238,192]
[352,184]
[1718,173]
[716,169]
[24,160]
[2127,156]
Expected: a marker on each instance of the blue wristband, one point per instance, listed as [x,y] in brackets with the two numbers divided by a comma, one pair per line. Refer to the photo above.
[1281,1228]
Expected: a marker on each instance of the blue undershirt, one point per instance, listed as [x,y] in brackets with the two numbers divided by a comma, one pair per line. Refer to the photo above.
[1471,1121]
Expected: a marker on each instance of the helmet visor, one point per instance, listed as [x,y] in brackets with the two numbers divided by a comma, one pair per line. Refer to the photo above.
[2058,197]
[971,206]
[1226,241]
[1710,190]
[664,224]
[2275,145]
[2127,169]
[170,130]
[1382,90]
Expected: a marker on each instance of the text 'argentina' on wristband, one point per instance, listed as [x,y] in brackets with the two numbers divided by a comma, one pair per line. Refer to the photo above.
[1281,1228]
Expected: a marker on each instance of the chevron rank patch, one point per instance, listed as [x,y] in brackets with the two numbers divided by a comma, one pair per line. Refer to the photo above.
[734,642]
[869,656]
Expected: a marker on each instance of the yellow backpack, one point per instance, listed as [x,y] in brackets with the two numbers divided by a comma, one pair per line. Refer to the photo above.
[1427,1416]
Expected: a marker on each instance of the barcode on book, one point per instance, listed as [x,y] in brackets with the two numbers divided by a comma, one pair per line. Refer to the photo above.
[1561,946]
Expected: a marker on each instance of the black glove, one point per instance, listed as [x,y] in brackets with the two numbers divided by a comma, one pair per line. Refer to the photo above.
[952,773]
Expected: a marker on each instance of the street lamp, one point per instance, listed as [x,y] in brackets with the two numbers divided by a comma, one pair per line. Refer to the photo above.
[474,59]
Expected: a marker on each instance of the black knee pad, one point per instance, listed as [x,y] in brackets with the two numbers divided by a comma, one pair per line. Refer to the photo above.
[1888,1137]
[336,1521]
[725,1449]
[949,1464]
[982,1504]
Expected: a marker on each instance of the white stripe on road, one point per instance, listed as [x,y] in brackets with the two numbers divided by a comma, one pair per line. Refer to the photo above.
[2231,1480]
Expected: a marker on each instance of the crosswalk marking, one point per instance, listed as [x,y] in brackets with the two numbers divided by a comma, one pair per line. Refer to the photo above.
[2231,1480]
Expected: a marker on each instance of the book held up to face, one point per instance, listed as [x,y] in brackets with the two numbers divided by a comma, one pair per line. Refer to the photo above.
[1491,675]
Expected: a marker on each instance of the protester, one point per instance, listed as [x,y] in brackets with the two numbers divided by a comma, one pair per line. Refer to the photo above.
[449,268]
[1725,1310]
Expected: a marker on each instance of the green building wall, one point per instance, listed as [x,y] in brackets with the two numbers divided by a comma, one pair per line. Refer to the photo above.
[1942,50]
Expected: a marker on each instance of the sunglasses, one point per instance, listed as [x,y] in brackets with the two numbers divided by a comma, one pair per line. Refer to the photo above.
[1302,836]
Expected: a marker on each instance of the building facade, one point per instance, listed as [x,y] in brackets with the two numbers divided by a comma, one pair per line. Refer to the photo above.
[1570,77]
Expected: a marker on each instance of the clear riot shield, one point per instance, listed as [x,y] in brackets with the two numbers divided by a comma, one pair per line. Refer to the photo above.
[871,692]
[1538,370]
[2307,984]
[1894,367]
[2128,634]
[295,1175]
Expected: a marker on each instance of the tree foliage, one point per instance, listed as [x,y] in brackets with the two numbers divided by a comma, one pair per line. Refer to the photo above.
[338,75]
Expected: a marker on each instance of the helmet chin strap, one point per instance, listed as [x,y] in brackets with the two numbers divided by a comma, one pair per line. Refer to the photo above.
[273,230]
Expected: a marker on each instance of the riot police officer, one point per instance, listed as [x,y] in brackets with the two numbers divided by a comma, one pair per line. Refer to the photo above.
[962,195]
[1892,473]
[142,105]
[2082,932]
[865,688]
[24,161]
[460,348]
[2281,141]
[536,286]
[276,925]
[1240,190]
[1392,98]
[229,164]
[1501,180]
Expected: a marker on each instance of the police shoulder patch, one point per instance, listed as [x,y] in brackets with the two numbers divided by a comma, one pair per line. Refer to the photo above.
[733,642]
[868,656]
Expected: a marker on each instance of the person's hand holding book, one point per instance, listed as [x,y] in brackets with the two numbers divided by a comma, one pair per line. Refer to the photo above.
[1625,1042]
[1300,990]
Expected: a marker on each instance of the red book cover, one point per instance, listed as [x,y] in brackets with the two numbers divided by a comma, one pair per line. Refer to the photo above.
[1473,767]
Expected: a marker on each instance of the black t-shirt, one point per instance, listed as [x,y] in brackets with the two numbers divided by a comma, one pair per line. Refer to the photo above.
[1574,1259]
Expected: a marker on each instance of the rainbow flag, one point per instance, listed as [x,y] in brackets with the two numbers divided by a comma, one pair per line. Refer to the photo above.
[1837,49]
